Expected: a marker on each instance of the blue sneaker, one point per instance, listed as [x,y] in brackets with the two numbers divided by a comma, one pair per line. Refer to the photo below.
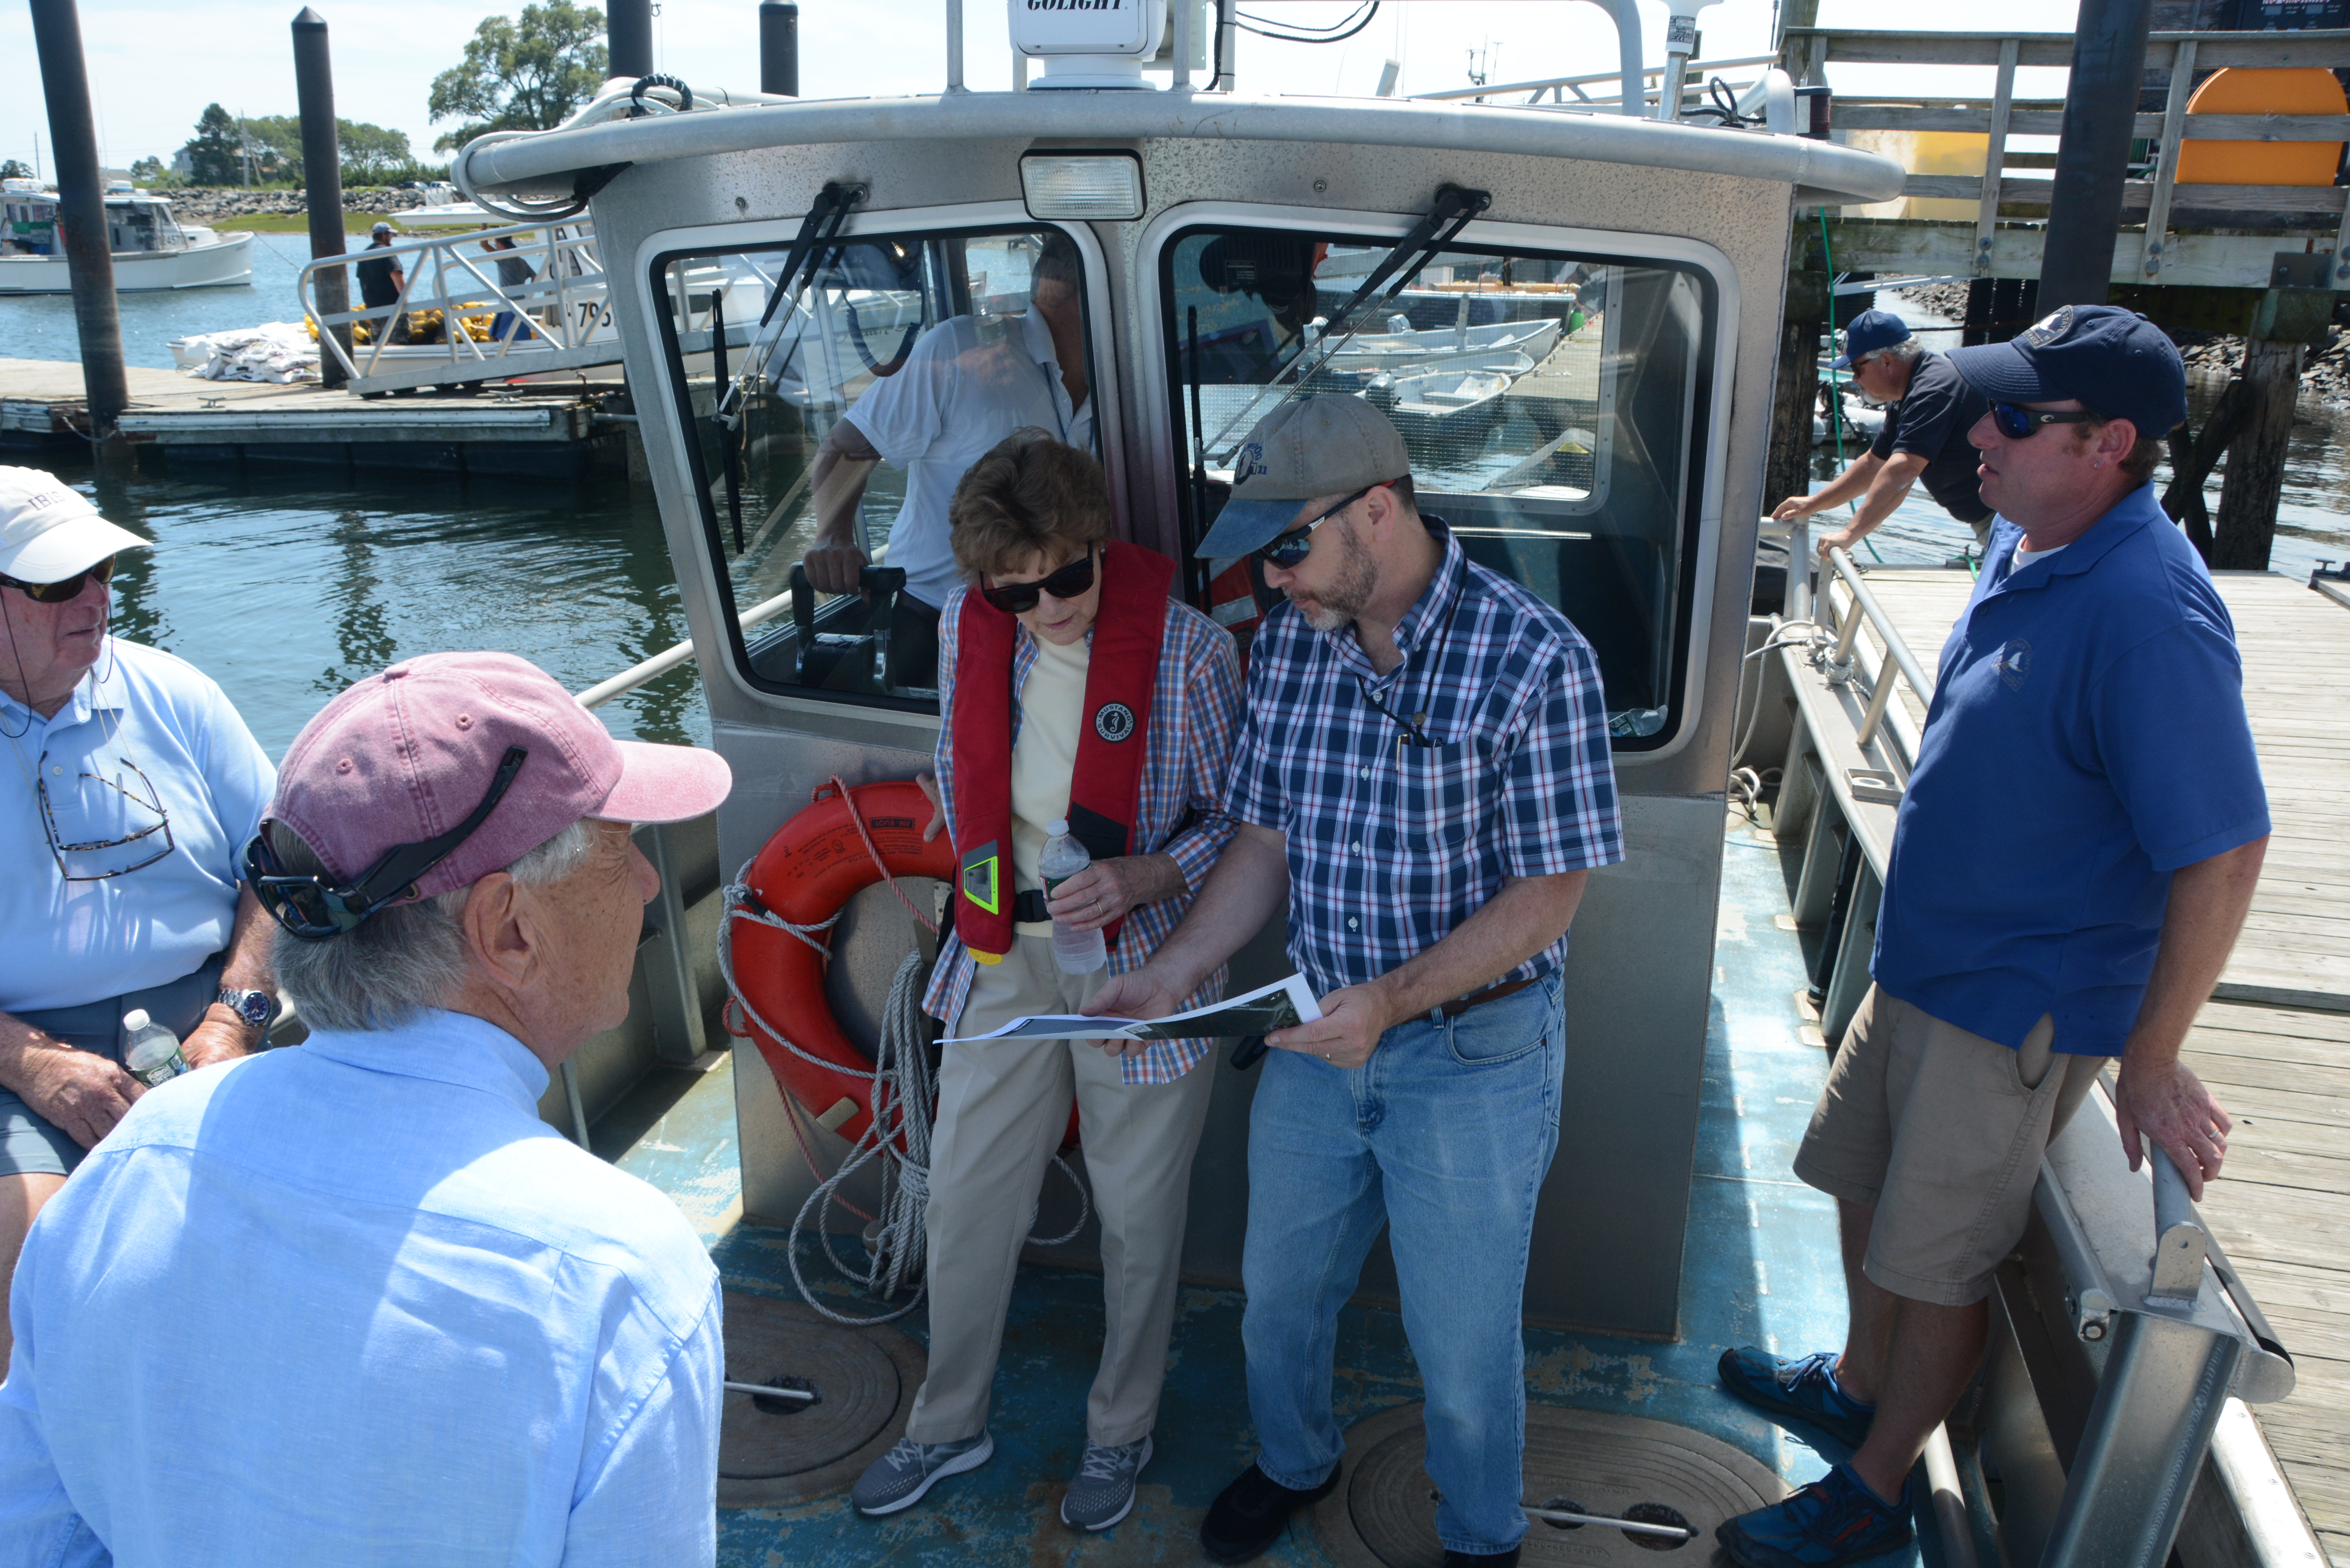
[1804,1390]
[1833,1521]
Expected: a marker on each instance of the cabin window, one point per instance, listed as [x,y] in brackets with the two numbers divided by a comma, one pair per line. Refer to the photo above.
[832,424]
[1551,400]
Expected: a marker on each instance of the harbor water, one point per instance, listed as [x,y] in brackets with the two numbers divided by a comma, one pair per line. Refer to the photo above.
[286,586]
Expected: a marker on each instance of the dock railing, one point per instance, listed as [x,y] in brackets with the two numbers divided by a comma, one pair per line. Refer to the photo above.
[561,319]
[1807,52]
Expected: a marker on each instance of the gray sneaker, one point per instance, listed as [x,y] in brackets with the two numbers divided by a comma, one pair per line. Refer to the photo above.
[1103,1492]
[899,1478]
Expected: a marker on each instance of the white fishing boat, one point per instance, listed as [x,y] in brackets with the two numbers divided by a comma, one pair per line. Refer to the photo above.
[1453,404]
[152,249]
[1461,347]
[1862,421]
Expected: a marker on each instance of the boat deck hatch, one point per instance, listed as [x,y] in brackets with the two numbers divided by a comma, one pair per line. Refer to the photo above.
[772,1452]
[1584,1462]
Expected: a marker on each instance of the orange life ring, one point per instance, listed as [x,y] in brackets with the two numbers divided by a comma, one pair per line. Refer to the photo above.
[807,874]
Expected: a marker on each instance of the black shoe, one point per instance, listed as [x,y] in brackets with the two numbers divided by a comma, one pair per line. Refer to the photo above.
[1480,1559]
[1250,1514]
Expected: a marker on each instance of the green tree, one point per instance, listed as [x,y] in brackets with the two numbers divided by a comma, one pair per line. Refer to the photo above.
[369,151]
[526,74]
[214,155]
[275,142]
[14,170]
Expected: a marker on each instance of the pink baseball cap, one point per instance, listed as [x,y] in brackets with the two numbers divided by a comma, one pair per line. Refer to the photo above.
[407,756]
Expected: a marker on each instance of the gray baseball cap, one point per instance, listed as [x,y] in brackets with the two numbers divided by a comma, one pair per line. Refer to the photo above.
[1328,445]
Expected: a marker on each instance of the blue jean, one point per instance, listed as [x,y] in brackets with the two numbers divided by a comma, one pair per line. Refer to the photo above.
[1445,1133]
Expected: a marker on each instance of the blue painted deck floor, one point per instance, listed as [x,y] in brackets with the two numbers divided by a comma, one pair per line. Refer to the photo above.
[1760,1267]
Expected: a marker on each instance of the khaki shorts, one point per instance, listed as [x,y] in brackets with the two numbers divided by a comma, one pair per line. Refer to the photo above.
[1941,1132]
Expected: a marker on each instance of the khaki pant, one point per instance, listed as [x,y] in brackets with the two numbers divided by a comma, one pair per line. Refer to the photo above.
[1002,1107]
[1941,1132]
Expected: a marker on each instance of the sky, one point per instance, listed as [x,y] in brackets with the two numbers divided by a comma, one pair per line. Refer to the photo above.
[154,66]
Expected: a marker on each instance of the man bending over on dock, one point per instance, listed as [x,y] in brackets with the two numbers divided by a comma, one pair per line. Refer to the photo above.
[355,1302]
[2073,860]
[1423,782]
[1929,415]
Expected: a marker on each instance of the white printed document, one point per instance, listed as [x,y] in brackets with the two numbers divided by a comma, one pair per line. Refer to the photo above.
[1276,1006]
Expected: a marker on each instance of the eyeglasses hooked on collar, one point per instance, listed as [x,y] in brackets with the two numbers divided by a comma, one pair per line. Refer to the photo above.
[1289,550]
[65,589]
[310,909]
[2017,422]
[1017,598]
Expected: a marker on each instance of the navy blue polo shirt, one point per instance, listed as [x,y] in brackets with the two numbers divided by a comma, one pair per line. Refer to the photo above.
[2086,739]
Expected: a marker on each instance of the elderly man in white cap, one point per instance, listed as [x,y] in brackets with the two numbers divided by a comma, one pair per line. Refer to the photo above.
[131,785]
[354,1302]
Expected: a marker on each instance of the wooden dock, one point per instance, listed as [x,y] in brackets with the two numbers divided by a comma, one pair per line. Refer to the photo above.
[2274,1043]
[523,429]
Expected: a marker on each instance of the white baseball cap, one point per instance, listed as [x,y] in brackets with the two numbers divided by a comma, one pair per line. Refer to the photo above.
[48,532]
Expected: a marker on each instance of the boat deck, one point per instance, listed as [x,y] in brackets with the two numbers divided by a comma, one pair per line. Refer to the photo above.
[1760,1266]
[2274,1043]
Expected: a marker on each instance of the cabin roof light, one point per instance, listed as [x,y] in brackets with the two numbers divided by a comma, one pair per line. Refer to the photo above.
[1082,186]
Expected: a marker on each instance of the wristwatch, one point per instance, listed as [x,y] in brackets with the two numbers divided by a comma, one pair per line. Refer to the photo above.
[257,1008]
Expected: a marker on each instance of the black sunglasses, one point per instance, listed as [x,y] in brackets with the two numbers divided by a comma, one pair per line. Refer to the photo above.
[310,909]
[1290,549]
[2017,422]
[64,589]
[1013,598]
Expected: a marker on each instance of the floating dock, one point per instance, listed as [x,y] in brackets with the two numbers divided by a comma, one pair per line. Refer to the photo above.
[528,429]
[2274,1042]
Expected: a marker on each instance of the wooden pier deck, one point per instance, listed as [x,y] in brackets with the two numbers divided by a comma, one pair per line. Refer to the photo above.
[531,428]
[2274,1043]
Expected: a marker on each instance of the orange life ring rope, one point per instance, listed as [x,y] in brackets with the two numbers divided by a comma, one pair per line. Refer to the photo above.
[837,846]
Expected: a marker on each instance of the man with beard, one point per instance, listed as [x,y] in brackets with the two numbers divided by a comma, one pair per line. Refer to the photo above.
[1423,784]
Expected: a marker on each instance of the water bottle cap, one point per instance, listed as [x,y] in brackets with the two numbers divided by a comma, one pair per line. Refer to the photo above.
[1059,827]
[135,1020]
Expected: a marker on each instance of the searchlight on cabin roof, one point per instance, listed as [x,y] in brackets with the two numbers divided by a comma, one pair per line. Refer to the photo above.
[1088,43]
[1082,186]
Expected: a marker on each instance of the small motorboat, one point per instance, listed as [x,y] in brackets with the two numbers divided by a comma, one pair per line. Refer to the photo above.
[1455,405]
[153,251]
[1862,421]
[1461,347]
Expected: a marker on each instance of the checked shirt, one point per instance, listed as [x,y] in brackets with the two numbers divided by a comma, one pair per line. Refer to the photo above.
[1392,846]
[1195,711]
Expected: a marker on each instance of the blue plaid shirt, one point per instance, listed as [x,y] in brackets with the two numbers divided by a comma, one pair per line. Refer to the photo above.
[1390,846]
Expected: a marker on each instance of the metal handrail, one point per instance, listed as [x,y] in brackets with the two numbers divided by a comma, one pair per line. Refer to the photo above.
[1557,87]
[1897,651]
[669,657]
[564,306]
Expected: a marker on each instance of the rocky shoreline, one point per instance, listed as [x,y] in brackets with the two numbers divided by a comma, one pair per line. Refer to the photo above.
[214,205]
[2325,373]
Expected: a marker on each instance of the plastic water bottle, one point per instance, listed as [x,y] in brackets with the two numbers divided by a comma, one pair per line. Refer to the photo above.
[152,1054]
[1076,952]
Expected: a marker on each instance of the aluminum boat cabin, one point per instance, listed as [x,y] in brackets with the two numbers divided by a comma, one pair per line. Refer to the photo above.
[1617,474]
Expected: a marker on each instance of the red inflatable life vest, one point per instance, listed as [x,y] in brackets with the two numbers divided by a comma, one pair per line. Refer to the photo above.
[1120,675]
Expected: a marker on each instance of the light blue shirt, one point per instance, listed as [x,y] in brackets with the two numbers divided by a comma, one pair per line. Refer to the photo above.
[353,1303]
[138,711]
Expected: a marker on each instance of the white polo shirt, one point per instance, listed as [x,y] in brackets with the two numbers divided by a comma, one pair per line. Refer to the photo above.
[139,711]
[966,386]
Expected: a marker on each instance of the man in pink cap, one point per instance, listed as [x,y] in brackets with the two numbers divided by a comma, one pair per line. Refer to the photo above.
[355,1302]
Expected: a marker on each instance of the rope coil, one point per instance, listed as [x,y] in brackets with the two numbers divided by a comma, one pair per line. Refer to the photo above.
[905,1090]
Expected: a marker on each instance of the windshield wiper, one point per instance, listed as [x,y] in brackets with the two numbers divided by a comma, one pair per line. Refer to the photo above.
[817,231]
[1455,208]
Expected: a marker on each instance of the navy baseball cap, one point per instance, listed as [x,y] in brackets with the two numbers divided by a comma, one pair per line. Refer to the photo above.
[1870,331]
[2115,360]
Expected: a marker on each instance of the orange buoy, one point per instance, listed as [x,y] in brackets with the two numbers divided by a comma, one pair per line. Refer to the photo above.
[2239,90]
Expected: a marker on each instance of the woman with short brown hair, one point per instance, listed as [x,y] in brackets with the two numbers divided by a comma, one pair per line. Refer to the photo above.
[1074,689]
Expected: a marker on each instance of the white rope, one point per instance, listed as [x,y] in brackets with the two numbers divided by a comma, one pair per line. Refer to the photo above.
[904,1099]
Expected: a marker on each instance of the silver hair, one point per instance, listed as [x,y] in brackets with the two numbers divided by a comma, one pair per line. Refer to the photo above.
[1905,352]
[408,956]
